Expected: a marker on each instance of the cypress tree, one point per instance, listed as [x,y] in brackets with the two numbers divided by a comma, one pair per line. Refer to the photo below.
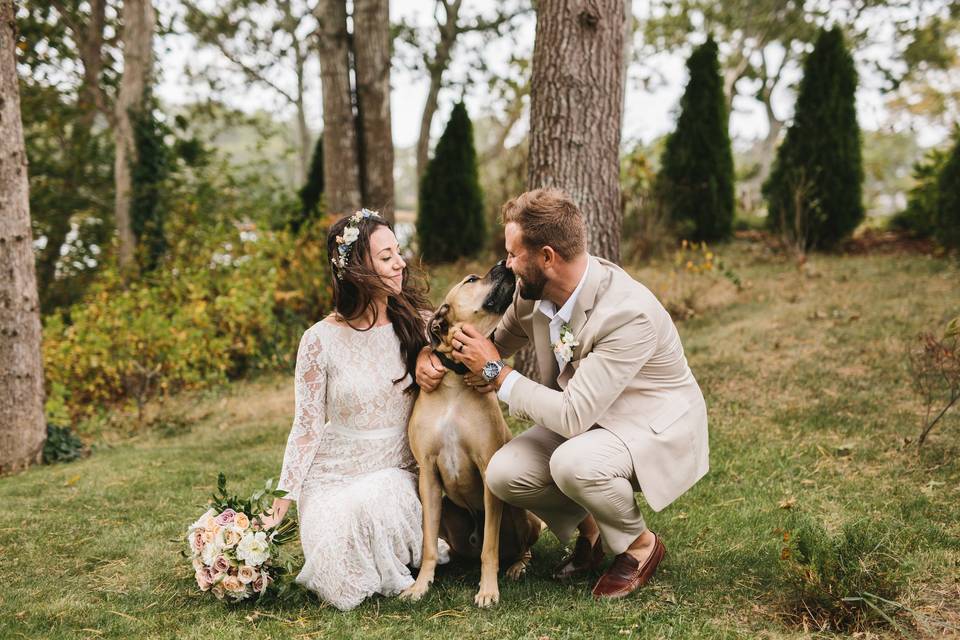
[696,179]
[948,209]
[450,220]
[814,192]
[312,190]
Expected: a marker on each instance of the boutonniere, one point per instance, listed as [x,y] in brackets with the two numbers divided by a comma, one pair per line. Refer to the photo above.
[564,346]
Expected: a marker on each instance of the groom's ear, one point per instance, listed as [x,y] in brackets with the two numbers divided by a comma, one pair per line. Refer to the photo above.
[439,325]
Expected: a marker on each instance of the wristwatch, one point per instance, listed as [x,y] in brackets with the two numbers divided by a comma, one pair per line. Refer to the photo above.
[491,370]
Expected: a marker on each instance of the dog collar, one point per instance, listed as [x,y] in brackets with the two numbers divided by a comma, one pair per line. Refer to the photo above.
[457,367]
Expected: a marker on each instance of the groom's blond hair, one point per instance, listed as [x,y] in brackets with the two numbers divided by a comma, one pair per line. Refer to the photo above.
[548,217]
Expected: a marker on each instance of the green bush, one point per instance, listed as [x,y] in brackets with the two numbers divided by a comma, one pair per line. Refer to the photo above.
[647,231]
[847,581]
[696,180]
[814,192]
[61,445]
[215,312]
[948,200]
[450,220]
[920,217]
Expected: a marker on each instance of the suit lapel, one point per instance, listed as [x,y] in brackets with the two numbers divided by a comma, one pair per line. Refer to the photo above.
[546,362]
[586,300]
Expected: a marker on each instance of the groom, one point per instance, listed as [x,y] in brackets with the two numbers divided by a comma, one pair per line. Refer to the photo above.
[616,409]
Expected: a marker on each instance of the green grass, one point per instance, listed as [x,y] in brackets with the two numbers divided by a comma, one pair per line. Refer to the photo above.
[809,399]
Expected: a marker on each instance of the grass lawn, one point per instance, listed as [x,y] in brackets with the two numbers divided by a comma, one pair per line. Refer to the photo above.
[809,401]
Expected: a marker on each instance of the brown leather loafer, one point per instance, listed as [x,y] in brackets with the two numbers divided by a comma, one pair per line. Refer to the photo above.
[584,560]
[626,574]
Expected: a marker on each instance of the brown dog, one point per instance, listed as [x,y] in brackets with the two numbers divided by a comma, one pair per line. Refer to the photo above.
[454,431]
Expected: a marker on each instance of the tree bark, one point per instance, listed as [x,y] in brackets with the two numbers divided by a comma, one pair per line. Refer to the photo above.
[340,159]
[90,98]
[22,425]
[371,20]
[575,111]
[576,108]
[138,27]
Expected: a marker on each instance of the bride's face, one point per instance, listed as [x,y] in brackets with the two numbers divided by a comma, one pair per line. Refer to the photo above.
[386,258]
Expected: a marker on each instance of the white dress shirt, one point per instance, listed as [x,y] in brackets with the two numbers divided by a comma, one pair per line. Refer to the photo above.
[557,320]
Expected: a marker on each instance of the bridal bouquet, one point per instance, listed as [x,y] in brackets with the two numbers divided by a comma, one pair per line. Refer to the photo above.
[233,556]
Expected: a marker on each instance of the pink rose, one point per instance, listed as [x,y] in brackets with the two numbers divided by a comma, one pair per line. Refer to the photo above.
[262,582]
[226,517]
[220,565]
[204,579]
[197,540]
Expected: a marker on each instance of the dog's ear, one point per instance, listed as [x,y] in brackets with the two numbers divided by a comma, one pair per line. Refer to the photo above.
[439,325]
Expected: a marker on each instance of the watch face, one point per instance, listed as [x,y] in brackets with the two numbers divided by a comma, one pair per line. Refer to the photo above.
[491,370]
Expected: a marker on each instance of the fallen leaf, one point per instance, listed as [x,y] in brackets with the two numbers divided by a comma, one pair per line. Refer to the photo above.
[72,481]
[788,503]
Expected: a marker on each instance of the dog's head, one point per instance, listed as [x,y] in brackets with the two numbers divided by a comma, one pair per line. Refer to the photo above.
[474,300]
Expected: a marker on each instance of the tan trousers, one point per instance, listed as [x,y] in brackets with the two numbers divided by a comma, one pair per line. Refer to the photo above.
[562,480]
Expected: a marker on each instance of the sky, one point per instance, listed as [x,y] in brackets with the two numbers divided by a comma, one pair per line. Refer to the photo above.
[649,110]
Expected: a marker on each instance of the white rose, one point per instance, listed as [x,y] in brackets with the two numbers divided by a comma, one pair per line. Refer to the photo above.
[254,548]
[350,235]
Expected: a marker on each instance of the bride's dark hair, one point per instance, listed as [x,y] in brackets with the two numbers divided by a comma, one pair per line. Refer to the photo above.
[358,284]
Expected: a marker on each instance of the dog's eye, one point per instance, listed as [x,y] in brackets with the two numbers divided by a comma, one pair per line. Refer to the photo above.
[473,278]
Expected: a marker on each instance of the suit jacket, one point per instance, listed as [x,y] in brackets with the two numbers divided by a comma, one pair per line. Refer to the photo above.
[628,375]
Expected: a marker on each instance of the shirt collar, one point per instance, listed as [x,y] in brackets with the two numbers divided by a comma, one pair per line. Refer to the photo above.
[549,309]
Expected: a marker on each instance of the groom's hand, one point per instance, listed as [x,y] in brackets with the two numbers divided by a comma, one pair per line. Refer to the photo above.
[429,370]
[472,348]
[477,383]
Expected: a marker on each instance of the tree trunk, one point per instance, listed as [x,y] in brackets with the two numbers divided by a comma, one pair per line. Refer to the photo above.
[22,425]
[575,111]
[371,20]
[340,159]
[138,28]
[576,106]
[90,44]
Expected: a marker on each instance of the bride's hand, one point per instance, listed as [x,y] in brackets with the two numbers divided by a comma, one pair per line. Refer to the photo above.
[274,516]
[264,521]
[429,370]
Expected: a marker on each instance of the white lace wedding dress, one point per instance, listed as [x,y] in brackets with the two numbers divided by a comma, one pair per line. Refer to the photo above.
[349,467]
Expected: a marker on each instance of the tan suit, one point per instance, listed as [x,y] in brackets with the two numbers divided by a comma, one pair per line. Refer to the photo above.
[629,378]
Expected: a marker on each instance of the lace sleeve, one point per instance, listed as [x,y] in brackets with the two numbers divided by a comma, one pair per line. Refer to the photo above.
[309,415]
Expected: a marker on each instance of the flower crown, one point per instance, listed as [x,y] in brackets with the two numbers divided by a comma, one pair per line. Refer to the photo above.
[350,234]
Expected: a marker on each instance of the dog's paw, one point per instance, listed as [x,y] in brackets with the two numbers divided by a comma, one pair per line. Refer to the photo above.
[415,591]
[517,570]
[485,599]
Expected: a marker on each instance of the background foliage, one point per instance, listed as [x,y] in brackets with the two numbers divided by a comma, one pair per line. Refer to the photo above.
[814,191]
[696,180]
[450,196]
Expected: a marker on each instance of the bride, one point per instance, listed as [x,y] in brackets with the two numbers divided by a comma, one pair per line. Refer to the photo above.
[348,464]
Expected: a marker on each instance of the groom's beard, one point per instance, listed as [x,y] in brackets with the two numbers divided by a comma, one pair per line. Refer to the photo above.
[532,284]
